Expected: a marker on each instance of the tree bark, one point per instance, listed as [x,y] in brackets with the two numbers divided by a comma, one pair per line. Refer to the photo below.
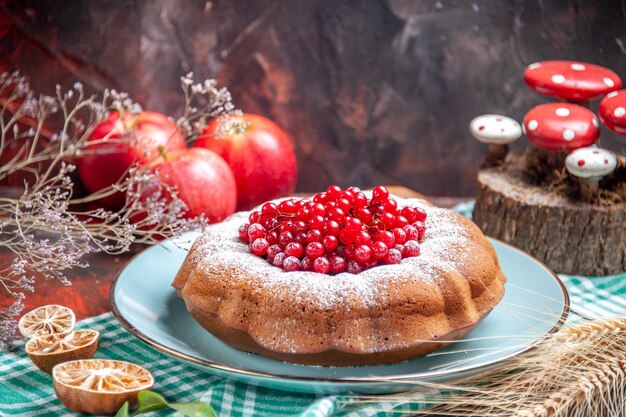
[571,237]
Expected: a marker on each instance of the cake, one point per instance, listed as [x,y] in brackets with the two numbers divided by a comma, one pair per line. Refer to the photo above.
[387,313]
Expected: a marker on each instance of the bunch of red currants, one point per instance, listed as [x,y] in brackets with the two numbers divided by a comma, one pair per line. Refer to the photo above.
[335,231]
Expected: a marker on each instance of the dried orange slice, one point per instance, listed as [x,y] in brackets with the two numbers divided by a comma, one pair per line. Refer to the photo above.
[99,386]
[47,320]
[47,351]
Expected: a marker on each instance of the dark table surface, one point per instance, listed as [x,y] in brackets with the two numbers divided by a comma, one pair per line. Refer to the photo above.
[88,294]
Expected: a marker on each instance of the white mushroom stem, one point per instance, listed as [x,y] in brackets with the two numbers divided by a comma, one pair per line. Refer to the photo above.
[495,154]
[590,164]
[589,188]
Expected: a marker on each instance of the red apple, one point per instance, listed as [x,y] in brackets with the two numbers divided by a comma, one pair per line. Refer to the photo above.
[204,182]
[105,163]
[261,157]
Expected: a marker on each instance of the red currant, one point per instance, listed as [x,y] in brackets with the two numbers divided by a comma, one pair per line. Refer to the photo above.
[272,251]
[364,215]
[330,243]
[388,220]
[254,217]
[337,215]
[346,236]
[259,246]
[362,253]
[294,249]
[291,263]
[331,228]
[307,264]
[314,250]
[354,267]
[316,222]
[386,237]
[321,265]
[272,237]
[285,238]
[287,207]
[243,233]
[279,259]
[411,248]
[411,232]
[379,194]
[401,221]
[379,249]
[362,238]
[303,214]
[420,214]
[337,264]
[287,226]
[390,206]
[394,256]
[269,208]
[314,235]
[333,192]
[256,231]
[353,224]
[318,209]
[421,229]
[360,201]
[301,238]
[343,204]
[348,251]
[320,198]
[399,235]
[409,214]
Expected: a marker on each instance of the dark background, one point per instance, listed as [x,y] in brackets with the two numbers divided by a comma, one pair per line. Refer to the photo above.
[372,91]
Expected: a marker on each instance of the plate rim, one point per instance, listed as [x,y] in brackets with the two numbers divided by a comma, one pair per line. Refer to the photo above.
[421,376]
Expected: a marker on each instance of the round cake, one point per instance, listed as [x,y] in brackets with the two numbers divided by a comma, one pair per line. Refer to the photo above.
[385,314]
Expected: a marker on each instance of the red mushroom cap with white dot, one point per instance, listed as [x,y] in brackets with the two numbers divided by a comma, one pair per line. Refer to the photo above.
[571,80]
[496,129]
[612,111]
[590,162]
[561,126]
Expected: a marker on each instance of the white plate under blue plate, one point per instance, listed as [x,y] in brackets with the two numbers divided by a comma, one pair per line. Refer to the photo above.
[143,300]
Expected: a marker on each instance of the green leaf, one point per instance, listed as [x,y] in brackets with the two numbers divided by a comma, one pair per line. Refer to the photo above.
[150,401]
[194,409]
[123,411]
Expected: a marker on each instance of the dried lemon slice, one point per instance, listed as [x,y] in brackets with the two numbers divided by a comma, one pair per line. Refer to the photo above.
[47,320]
[99,386]
[47,351]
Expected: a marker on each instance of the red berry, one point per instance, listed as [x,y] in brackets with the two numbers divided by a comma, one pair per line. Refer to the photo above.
[390,206]
[307,264]
[287,226]
[420,214]
[399,235]
[379,194]
[388,219]
[314,250]
[330,243]
[353,224]
[303,214]
[348,251]
[291,263]
[411,232]
[370,264]
[344,204]
[401,221]
[393,257]
[314,235]
[243,233]
[269,208]
[360,201]
[279,259]
[331,228]
[386,237]
[300,226]
[259,246]
[399,248]
[301,238]
[364,215]
[408,213]
[270,223]
[411,248]
[362,253]
[320,198]
[294,249]
[272,237]
[337,264]
[287,207]
[346,236]
[272,251]
[379,249]
[256,231]
[254,217]
[362,238]
[337,215]
[333,192]
[316,222]
[421,229]
[354,267]
[321,265]
[285,238]
[318,209]
[348,195]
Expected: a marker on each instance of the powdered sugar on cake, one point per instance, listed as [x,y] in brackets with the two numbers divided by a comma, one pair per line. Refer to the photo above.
[220,246]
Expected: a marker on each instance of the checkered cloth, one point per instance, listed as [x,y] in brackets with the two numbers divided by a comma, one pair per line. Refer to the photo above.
[26,391]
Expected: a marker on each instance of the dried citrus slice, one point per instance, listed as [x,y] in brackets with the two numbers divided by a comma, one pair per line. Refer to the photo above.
[47,320]
[99,386]
[47,351]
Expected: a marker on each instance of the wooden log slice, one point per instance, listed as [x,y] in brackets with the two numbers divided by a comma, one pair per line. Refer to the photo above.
[571,237]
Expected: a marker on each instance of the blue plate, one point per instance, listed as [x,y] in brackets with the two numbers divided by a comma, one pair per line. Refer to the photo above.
[535,304]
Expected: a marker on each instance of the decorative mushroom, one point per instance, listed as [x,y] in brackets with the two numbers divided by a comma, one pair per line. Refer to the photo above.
[612,111]
[560,127]
[590,164]
[497,131]
[575,81]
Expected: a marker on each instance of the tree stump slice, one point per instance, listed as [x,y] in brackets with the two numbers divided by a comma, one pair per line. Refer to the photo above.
[571,237]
